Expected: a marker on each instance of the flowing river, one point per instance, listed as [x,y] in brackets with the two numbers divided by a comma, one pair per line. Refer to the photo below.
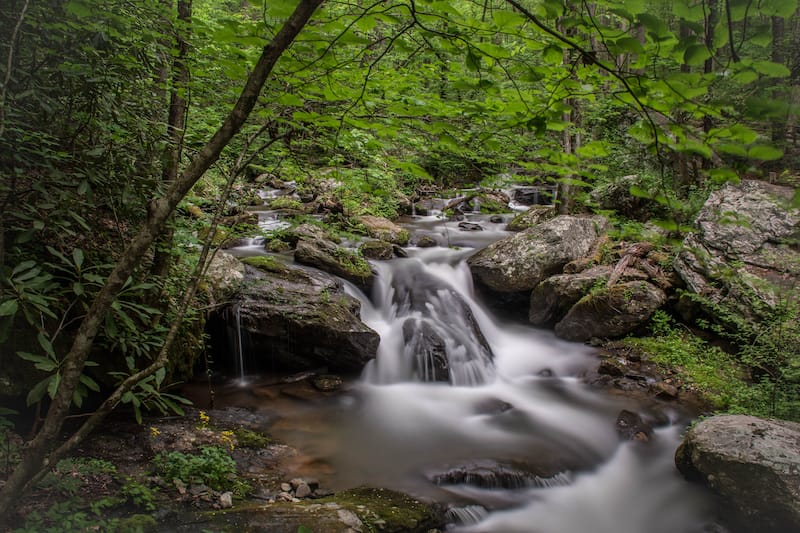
[515,441]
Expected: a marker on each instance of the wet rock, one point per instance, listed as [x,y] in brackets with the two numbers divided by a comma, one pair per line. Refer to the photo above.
[488,474]
[665,391]
[429,348]
[520,262]
[469,226]
[631,426]
[534,195]
[302,490]
[611,366]
[335,260]
[224,275]
[399,251]
[378,250]
[301,319]
[327,382]
[496,219]
[425,241]
[384,229]
[754,464]
[612,312]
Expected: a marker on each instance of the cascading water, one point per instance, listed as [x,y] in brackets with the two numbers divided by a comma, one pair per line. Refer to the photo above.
[490,417]
[452,388]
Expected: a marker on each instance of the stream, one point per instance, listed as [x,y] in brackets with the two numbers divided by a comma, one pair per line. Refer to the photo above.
[516,441]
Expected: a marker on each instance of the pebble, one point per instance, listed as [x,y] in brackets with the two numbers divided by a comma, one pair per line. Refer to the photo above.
[285,487]
[226,500]
[302,490]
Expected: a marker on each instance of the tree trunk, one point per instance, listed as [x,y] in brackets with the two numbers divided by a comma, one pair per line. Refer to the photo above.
[778,56]
[35,455]
[176,125]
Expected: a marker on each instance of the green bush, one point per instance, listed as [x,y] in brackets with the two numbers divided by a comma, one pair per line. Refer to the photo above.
[213,467]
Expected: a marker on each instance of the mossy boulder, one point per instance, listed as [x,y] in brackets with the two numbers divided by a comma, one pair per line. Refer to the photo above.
[520,262]
[611,312]
[329,257]
[380,250]
[361,509]
[295,319]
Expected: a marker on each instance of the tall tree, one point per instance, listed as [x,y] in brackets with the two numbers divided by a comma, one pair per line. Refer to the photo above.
[36,451]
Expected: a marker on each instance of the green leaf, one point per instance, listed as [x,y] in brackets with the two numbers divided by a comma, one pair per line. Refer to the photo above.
[779,8]
[472,61]
[290,100]
[90,383]
[553,54]
[160,375]
[77,398]
[77,257]
[764,152]
[32,357]
[46,345]
[38,391]
[629,44]
[52,387]
[639,192]
[9,308]
[768,68]
[696,54]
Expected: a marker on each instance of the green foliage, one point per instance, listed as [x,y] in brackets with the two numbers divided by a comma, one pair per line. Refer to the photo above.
[246,438]
[714,374]
[213,466]
[140,495]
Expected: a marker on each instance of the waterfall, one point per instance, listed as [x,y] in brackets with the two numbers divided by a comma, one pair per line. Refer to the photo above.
[454,389]
[239,346]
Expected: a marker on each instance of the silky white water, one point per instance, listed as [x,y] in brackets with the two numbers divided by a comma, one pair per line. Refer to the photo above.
[525,405]
[512,440]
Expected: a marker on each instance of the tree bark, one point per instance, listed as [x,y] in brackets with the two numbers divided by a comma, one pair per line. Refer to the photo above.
[176,126]
[35,455]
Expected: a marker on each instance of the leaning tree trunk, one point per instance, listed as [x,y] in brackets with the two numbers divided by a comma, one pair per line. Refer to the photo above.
[36,452]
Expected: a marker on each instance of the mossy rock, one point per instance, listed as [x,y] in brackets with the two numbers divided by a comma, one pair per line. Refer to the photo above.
[284,202]
[265,263]
[361,509]
[388,511]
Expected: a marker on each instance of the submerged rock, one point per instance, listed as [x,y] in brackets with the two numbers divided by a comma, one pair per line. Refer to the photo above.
[754,464]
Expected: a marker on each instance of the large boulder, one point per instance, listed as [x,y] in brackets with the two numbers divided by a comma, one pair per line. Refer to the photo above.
[745,253]
[301,319]
[611,312]
[336,260]
[553,297]
[754,464]
[223,276]
[521,261]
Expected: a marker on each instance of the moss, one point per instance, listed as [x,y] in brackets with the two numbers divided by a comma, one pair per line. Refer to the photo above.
[386,510]
[247,438]
[353,263]
[265,263]
[284,202]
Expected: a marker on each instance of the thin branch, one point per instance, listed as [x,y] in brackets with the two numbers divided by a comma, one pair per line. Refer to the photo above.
[9,65]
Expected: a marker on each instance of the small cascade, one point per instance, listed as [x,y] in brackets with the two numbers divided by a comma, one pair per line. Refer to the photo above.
[464,516]
[432,332]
